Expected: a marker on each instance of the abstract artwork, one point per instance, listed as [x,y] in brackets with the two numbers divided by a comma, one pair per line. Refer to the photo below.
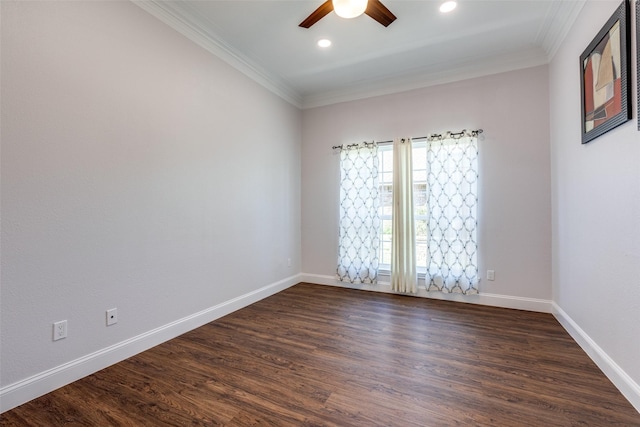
[604,77]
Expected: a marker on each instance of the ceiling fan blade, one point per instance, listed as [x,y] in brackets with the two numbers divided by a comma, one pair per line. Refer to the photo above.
[318,14]
[379,12]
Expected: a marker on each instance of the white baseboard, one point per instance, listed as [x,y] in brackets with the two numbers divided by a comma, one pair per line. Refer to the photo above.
[30,388]
[495,300]
[627,386]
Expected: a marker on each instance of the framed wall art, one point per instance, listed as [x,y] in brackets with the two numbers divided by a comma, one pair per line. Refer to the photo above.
[604,77]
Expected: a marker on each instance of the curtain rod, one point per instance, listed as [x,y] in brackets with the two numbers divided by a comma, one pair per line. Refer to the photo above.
[432,137]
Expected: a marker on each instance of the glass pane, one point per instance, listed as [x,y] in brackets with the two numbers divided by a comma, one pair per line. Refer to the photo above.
[421,255]
[386,229]
[420,198]
[421,231]
[419,155]
[387,159]
[386,253]
[419,175]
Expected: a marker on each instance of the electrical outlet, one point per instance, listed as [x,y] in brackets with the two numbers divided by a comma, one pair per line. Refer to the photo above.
[491,275]
[112,316]
[288,262]
[59,330]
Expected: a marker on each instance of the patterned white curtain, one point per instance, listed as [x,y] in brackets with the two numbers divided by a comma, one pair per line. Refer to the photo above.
[403,245]
[359,238]
[452,200]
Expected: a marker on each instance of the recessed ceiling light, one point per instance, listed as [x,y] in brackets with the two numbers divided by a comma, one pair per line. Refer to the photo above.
[324,42]
[447,6]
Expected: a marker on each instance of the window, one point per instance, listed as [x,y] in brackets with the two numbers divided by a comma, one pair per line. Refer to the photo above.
[445,200]
[385,180]
[445,180]
[385,156]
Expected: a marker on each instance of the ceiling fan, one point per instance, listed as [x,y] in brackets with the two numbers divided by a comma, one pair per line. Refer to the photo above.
[351,9]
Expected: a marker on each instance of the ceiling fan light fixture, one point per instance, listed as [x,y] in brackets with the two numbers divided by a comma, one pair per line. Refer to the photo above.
[349,8]
[448,6]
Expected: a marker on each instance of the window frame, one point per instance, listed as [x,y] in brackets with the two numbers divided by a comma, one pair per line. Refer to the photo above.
[385,185]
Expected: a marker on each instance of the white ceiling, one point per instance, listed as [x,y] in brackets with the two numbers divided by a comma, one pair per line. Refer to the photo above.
[421,48]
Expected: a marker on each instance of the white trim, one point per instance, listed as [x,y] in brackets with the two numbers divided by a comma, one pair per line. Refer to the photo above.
[182,18]
[30,388]
[420,79]
[176,16]
[627,386]
[494,300]
[558,21]
[623,382]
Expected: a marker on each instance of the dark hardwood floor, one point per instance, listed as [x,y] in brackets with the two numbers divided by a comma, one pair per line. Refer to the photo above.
[323,356]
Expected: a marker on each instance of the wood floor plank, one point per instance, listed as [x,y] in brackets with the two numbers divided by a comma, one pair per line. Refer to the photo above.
[322,356]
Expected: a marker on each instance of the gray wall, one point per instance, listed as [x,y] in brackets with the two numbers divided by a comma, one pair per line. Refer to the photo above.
[596,216]
[514,202]
[138,172]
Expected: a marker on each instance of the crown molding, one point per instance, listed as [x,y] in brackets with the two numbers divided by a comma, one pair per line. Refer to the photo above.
[427,78]
[177,16]
[558,20]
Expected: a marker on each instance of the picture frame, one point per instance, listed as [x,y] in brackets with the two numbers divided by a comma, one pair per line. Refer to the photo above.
[604,77]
